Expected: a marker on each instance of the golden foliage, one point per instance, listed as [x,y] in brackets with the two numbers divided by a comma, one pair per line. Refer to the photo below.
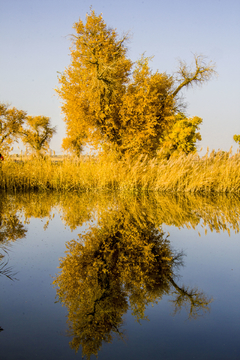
[182,137]
[113,104]
[147,110]
[93,84]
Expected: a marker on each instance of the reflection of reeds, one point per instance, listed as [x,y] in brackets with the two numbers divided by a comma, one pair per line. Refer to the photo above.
[214,212]
[6,270]
[217,172]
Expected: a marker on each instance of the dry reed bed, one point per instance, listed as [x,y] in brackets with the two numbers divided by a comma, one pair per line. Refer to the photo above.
[217,172]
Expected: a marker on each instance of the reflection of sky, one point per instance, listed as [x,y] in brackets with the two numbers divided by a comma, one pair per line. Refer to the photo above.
[33,324]
[34,47]
[217,252]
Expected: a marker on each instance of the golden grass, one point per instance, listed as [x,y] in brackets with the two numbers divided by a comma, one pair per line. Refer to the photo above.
[216,172]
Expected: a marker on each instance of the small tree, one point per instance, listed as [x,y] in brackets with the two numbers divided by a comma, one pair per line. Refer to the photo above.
[11,121]
[236,138]
[37,134]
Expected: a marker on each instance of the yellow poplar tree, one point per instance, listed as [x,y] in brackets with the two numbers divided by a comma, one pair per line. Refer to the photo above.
[110,102]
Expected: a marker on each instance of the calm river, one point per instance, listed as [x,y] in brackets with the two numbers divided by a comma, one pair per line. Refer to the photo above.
[119,277]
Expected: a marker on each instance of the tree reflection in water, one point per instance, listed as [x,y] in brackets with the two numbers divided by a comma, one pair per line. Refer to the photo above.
[11,229]
[123,262]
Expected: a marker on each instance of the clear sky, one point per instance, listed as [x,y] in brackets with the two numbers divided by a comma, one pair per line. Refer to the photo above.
[35,46]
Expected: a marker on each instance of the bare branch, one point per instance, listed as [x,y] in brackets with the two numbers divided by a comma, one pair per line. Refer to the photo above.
[187,76]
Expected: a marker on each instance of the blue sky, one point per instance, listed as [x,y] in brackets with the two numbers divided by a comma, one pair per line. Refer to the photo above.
[35,46]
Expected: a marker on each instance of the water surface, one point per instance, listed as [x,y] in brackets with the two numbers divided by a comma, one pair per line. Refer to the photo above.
[119,276]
